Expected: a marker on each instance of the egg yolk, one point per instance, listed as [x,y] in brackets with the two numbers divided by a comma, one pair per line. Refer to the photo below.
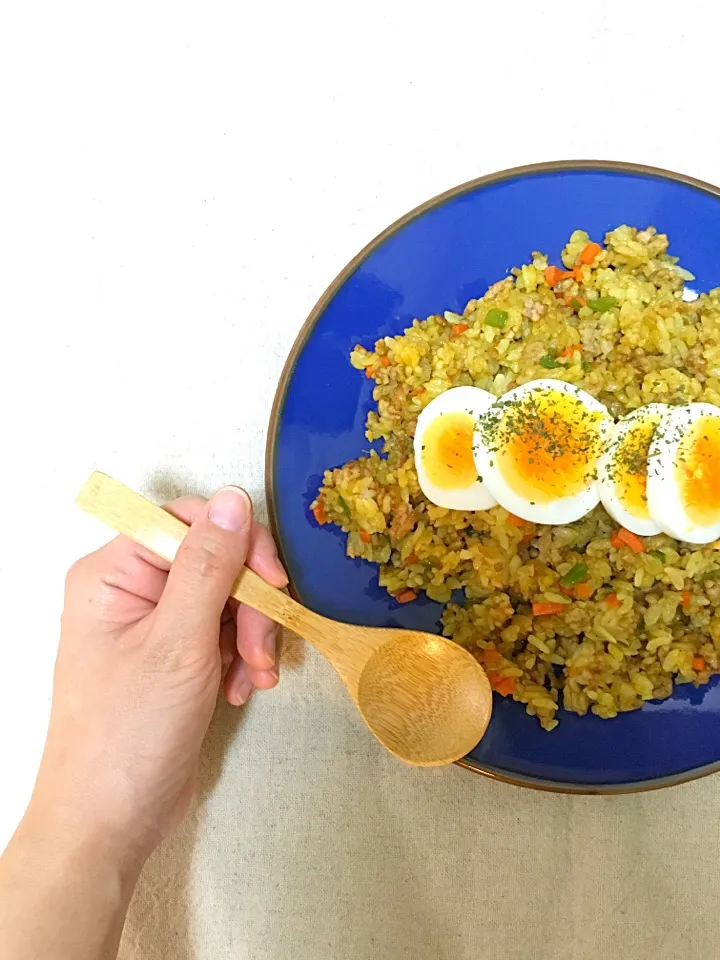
[547,446]
[629,466]
[447,453]
[698,471]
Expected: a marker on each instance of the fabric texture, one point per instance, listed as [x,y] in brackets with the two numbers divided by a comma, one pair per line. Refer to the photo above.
[308,842]
[180,183]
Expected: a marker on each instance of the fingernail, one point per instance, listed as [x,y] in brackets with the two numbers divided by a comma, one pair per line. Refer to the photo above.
[230,509]
[269,642]
[241,691]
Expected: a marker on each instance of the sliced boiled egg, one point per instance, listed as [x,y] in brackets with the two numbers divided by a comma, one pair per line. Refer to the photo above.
[537,450]
[623,469]
[444,449]
[683,480]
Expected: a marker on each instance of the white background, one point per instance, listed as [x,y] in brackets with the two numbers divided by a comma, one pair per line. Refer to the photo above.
[178,184]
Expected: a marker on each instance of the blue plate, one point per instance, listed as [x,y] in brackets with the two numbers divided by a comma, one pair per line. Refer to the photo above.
[434,259]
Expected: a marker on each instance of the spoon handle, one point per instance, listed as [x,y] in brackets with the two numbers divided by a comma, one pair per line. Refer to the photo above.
[127,512]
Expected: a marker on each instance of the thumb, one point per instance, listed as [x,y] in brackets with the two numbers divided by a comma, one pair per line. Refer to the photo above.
[207,564]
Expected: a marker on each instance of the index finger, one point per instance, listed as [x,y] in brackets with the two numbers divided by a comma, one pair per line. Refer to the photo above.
[256,634]
[185,508]
[133,569]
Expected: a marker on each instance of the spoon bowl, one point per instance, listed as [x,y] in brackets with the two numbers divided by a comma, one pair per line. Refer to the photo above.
[425,699]
[420,696]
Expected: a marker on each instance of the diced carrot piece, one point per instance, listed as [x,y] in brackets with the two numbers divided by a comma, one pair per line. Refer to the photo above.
[406,596]
[698,664]
[686,599]
[583,591]
[365,536]
[589,252]
[502,685]
[516,521]
[631,540]
[385,361]
[368,373]
[577,274]
[490,655]
[568,591]
[544,609]
[569,351]
[320,513]
[623,536]
[505,686]
[554,275]
[413,559]
[612,600]
[527,525]
[459,328]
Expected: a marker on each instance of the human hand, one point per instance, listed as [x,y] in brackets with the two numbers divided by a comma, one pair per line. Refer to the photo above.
[138,670]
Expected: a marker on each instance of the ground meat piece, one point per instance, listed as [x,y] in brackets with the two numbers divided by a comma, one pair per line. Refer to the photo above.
[590,337]
[672,278]
[496,288]
[532,353]
[695,360]
[403,518]
[393,405]
[712,591]
[533,309]
[644,235]
[645,362]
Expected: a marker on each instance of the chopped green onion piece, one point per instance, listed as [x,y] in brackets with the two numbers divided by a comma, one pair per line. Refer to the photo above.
[658,554]
[550,363]
[586,365]
[496,318]
[603,304]
[344,505]
[575,304]
[577,574]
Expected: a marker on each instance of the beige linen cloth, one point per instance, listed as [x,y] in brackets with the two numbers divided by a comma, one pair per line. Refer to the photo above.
[308,842]
[181,181]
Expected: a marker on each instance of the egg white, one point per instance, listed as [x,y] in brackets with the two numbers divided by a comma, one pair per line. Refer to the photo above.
[471,400]
[665,502]
[609,469]
[561,510]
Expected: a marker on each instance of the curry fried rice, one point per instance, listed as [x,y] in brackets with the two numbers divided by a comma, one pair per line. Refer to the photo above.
[646,618]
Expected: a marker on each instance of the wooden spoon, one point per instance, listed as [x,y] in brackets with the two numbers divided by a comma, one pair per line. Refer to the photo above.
[426,699]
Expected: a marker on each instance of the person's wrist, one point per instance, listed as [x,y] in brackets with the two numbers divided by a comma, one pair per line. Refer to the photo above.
[83,795]
[63,887]
[56,830]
